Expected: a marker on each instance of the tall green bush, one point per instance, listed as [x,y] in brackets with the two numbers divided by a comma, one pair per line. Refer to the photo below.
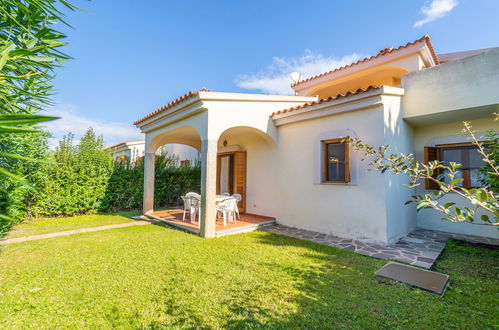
[15,195]
[126,184]
[75,182]
[83,178]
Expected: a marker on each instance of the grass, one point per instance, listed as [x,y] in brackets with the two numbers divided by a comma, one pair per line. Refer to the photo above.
[154,277]
[52,225]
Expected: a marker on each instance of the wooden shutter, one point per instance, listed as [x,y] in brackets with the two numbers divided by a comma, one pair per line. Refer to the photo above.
[431,154]
[347,162]
[240,178]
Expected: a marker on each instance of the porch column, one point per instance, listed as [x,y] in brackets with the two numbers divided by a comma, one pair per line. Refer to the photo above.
[149,159]
[208,187]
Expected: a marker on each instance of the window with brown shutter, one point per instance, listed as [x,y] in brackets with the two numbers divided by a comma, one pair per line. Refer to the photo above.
[335,161]
[465,154]
[431,154]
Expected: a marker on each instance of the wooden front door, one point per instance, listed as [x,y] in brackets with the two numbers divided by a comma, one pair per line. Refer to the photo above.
[231,175]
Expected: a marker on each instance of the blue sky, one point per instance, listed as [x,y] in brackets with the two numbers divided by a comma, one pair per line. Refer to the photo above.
[131,57]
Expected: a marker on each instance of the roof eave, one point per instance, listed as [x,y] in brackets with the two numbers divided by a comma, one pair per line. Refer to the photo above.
[431,59]
[350,102]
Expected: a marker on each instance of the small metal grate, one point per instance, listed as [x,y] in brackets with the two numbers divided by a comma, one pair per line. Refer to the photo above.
[424,279]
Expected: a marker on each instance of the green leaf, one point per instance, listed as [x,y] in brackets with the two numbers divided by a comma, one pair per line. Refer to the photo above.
[456,181]
[8,174]
[8,129]
[3,60]
[23,119]
[449,204]
[481,195]
[485,218]
[15,156]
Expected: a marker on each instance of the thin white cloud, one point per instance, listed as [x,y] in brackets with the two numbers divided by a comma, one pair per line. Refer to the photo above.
[72,121]
[275,78]
[435,9]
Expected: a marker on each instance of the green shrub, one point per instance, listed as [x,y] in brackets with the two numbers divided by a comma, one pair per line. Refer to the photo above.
[83,178]
[75,182]
[15,195]
[126,184]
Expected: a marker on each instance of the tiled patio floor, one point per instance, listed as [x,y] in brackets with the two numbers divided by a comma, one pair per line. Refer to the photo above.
[247,222]
[420,248]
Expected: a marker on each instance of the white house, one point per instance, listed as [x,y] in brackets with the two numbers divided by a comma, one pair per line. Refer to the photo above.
[127,150]
[135,149]
[285,156]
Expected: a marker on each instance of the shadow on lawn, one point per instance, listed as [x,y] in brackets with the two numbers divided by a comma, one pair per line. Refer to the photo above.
[322,287]
[319,287]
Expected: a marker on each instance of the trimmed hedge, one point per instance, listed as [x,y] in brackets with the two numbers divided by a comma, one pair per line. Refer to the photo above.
[85,179]
[125,187]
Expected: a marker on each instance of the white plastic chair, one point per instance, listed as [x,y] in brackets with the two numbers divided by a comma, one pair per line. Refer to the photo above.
[238,198]
[225,193]
[195,207]
[190,194]
[187,205]
[228,208]
[194,204]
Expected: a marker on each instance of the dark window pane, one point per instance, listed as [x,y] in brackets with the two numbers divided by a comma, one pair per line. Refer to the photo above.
[336,172]
[451,155]
[336,165]
[476,159]
[470,159]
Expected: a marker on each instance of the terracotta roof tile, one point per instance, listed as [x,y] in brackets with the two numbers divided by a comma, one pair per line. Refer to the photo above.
[381,53]
[171,104]
[330,98]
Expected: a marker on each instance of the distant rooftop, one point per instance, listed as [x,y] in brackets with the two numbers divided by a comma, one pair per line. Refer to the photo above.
[125,142]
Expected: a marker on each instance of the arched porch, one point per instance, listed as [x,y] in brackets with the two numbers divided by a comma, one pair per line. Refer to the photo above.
[235,137]
[236,149]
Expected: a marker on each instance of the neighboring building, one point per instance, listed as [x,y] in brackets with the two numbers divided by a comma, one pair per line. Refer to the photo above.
[285,156]
[128,150]
[186,155]
[131,150]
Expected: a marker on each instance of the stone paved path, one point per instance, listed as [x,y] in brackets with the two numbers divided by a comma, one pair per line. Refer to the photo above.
[76,231]
[419,248]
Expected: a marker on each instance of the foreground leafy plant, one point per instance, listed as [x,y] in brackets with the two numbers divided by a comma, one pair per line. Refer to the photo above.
[30,50]
[481,198]
[18,124]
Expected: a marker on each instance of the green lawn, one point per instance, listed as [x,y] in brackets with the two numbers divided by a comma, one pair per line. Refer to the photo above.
[53,225]
[153,277]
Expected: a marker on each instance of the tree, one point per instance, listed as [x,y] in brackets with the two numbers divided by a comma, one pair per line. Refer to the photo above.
[29,53]
[484,198]
[30,50]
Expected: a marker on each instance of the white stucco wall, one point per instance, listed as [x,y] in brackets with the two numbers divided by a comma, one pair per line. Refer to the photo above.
[354,210]
[261,172]
[400,218]
[467,87]
[136,151]
[131,150]
[442,134]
